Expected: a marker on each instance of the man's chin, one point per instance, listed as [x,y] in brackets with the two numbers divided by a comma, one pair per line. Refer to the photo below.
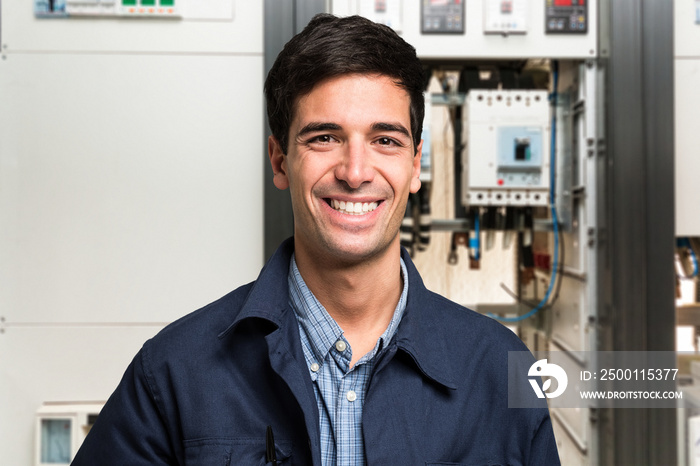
[352,252]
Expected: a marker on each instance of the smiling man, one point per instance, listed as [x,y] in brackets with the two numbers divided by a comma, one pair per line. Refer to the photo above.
[337,354]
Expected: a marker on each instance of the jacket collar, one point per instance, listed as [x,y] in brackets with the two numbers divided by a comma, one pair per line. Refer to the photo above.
[419,334]
[269,297]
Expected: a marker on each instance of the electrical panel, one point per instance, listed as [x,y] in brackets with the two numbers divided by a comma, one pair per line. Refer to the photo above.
[505,16]
[442,17]
[506,160]
[486,29]
[566,16]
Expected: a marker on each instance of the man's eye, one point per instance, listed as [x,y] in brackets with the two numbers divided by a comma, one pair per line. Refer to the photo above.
[323,139]
[386,142]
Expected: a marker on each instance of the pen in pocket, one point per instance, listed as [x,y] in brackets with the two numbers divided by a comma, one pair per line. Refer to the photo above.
[270,454]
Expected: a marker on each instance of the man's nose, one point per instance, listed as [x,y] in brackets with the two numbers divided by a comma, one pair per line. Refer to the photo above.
[355,166]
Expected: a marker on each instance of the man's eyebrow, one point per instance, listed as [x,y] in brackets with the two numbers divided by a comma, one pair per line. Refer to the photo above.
[315,127]
[395,127]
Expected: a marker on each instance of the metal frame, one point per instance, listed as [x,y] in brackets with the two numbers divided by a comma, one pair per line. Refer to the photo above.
[637,276]
[579,202]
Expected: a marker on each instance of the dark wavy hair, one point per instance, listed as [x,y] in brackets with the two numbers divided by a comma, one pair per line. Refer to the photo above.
[329,47]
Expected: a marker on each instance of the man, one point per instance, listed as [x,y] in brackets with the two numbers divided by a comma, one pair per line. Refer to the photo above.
[336,354]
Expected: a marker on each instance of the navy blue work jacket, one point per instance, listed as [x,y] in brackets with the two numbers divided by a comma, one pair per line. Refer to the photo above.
[204,390]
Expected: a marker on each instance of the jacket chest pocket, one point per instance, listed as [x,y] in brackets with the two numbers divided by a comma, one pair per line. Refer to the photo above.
[233,452]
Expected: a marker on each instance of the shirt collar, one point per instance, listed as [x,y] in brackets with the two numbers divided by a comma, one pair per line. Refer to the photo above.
[321,329]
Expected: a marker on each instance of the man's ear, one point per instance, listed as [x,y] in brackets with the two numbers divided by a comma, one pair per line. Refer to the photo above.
[415,178]
[278,162]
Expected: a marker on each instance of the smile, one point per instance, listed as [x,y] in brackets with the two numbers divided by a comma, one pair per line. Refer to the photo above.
[352,208]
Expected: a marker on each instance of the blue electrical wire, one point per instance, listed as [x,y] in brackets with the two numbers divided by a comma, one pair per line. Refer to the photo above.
[685,243]
[694,258]
[552,206]
[475,243]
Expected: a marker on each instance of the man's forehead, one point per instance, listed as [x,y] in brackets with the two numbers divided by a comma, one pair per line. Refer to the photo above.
[342,81]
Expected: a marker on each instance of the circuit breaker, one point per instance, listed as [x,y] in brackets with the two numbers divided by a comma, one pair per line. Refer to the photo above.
[506,160]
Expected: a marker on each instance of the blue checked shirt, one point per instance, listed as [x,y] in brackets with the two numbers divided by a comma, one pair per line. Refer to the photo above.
[339,389]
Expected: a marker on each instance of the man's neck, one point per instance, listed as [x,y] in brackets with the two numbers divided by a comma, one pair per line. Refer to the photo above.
[360,297]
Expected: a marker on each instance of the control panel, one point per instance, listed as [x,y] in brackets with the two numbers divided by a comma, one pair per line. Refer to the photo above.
[566,16]
[442,16]
[149,8]
[386,12]
[505,16]
[143,8]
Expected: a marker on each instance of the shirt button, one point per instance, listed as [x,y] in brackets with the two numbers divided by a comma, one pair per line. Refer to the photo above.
[351,396]
[314,367]
[340,345]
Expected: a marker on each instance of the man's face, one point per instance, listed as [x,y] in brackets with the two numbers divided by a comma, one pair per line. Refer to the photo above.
[350,166]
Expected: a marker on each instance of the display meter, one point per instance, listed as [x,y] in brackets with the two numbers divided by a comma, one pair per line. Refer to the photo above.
[566,17]
[442,17]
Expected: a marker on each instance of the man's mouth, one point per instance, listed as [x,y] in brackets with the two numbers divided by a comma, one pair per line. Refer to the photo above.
[352,208]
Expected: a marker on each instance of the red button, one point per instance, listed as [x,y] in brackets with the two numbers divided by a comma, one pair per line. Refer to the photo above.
[500,182]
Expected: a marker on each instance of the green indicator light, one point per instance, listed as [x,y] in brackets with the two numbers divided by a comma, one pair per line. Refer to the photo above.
[148,2]
[129,2]
[167,2]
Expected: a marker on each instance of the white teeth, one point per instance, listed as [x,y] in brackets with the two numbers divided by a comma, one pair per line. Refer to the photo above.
[353,208]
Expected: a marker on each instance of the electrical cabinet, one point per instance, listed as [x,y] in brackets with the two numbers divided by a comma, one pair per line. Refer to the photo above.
[500,159]
[131,174]
[687,101]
